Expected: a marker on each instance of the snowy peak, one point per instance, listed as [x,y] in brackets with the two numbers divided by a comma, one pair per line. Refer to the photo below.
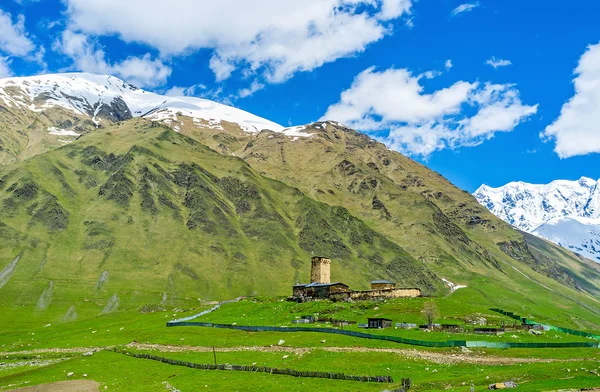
[526,206]
[564,212]
[581,235]
[104,97]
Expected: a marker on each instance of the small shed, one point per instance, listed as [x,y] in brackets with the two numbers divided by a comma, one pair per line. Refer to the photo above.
[378,322]
[382,285]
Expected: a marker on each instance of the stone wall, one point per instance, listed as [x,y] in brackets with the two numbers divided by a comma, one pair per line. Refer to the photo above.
[382,286]
[374,294]
[298,291]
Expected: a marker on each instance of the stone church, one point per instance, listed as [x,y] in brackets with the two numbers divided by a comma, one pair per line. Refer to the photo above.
[321,286]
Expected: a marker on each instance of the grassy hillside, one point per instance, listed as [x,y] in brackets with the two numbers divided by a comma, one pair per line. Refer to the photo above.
[25,133]
[138,214]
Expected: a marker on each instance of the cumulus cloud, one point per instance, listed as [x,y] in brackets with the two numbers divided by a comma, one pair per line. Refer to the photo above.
[393,106]
[577,130]
[496,62]
[88,57]
[464,8]
[5,67]
[272,38]
[448,64]
[254,87]
[13,38]
[178,91]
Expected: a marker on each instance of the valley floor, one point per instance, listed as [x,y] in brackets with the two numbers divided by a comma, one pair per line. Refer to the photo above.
[79,351]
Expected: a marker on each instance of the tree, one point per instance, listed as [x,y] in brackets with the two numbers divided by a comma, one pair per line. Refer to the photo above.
[431,312]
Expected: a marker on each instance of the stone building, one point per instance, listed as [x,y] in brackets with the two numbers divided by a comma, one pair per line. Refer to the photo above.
[320,290]
[321,287]
[382,285]
[320,271]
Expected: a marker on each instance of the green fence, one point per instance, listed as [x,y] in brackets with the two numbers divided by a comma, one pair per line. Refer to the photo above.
[397,339]
[264,369]
[546,326]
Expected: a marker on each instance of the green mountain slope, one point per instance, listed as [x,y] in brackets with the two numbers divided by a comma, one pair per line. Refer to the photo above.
[134,213]
[25,133]
[137,214]
[439,224]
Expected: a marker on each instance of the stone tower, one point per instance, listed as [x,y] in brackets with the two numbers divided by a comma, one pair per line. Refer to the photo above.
[320,271]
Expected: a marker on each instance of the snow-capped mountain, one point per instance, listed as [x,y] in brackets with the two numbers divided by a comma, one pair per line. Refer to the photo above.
[106,97]
[564,212]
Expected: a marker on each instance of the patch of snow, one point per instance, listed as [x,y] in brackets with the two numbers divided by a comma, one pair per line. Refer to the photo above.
[112,304]
[297,131]
[62,132]
[46,297]
[7,272]
[453,287]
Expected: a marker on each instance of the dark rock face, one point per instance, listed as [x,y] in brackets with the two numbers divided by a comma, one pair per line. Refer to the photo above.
[538,261]
[117,110]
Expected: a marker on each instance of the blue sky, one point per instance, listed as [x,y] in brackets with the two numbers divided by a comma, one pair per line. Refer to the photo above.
[414,74]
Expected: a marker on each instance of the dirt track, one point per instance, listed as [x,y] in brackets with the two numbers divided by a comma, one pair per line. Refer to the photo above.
[437,357]
[432,356]
[63,386]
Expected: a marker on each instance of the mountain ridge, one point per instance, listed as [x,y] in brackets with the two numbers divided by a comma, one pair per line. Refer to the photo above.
[562,211]
[89,94]
[148,209]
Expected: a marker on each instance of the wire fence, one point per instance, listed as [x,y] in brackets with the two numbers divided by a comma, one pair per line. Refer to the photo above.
[205,312]
[397,339]
[264,369]
[524,320]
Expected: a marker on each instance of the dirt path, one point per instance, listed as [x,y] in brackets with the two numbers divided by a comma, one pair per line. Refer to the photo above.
[437,357]
[431,356]
[71,350]
[62,386]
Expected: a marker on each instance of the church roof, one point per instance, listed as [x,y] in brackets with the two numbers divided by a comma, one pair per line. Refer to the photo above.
[382,282]
[325,284]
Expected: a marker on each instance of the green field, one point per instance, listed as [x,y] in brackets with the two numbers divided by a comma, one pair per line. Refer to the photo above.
[430,369]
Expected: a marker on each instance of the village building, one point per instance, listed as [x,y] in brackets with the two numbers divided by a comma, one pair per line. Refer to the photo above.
[379,322]
[382,285]
[321,287]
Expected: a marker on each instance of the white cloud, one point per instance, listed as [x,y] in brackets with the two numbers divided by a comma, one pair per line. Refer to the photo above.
[577,130]
[496,62]
[178,91]
[13,39]
[88,57]
[272,38]
[254,87]
[143,71]
[464,8]
[201,91]
[448,64]
[392,9]
[419,123]
[5,67]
